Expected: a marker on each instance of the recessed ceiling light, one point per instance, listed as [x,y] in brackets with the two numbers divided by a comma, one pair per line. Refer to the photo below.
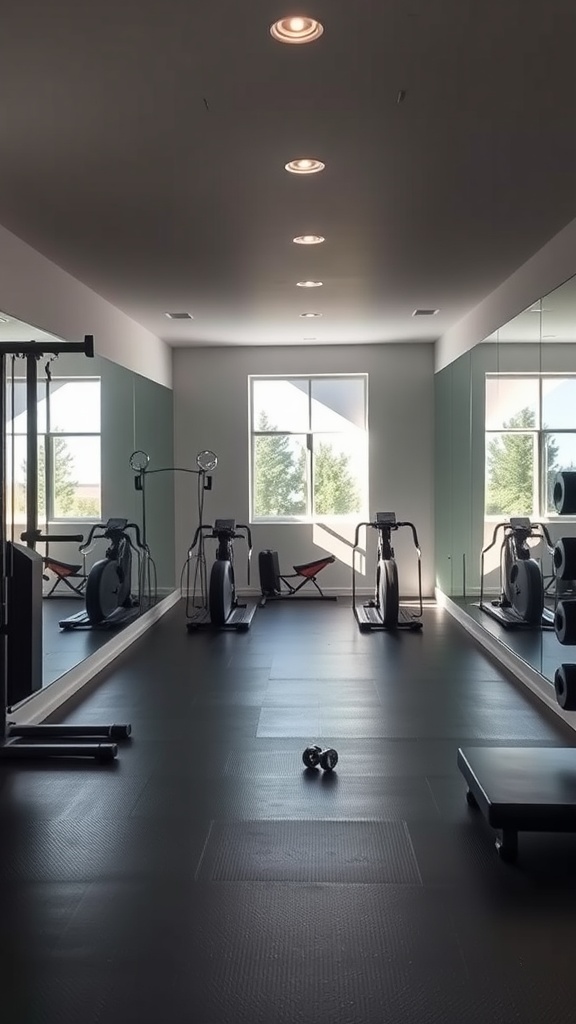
[308,239]
[179,316]
[309,339]
[4,320]
[544,336]
[306,165]
[309,284]
[296,30]
[310,314]
[425,312]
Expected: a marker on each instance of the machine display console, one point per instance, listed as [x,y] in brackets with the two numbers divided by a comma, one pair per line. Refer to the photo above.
[116,524]
[225,524]
[520,523]
[386,518]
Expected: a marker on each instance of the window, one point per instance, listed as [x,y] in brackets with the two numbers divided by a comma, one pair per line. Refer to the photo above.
[530,436]
[68,450]
[309,447]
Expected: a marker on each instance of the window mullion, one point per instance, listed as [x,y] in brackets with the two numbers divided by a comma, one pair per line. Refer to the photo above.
[48,478]
[310,447]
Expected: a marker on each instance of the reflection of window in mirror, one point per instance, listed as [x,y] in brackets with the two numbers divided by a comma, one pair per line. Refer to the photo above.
[530,437]
[69,472]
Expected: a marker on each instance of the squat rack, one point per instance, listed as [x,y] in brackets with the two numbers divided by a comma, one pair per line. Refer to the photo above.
[75,737]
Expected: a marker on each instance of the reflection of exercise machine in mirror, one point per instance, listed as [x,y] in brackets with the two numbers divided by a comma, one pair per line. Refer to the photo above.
[533,789]
[522,591]
[383,611]
[212,603]
[109,600]
[21,592]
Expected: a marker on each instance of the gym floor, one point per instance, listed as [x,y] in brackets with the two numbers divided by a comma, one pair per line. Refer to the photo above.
[206,877]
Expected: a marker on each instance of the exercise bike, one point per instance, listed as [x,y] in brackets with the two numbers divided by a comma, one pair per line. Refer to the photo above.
[383,611]
[522,592]
[108,592]
[219,607]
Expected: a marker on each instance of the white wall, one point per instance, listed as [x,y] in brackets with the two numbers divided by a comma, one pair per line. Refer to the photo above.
[211,411]
[543,272]
[36,291]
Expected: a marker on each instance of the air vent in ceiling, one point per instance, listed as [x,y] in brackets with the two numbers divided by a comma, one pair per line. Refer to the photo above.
[425,312]
[179,316]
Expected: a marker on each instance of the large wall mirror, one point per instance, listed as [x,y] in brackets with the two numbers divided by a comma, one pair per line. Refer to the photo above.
[92,414]
[506,425]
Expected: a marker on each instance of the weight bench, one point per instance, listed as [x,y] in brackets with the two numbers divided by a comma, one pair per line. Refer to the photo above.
[271,579]
[64,573]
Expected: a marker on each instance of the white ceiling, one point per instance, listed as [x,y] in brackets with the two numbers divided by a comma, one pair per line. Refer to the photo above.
[143,143]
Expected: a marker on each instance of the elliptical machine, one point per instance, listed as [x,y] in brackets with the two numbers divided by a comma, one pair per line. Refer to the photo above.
[383,611]
[219,605]
[109,601]
[521,601]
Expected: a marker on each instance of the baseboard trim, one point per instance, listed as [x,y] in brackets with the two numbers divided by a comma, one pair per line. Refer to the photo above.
[42,704]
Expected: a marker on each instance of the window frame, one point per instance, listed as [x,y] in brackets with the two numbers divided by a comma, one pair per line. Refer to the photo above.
[309,516]
[539,434]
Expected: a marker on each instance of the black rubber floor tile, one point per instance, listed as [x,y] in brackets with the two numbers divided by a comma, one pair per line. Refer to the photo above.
[449,793]
[306,794]
[458,855]
[34,916]
[250,660]
[52,993]
[289,722]
[94,848]
[462,856]
[251,697]
[323,666]
[254,952]
[372,757]
[234,678]
[523,723]
[65,793]
[223,723]
[522,941]
[419,722]
[296,693]
[310,851]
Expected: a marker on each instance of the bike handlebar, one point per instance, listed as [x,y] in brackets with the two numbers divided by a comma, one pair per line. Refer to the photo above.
[529,533]
[388,526]
[108,532]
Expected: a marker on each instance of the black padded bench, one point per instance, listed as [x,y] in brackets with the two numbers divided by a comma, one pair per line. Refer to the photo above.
[521,789]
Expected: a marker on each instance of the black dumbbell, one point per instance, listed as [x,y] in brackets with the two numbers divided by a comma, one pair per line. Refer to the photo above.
[314,756]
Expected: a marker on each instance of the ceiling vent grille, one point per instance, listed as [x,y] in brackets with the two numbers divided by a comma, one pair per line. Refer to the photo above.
[179,316]
[424,312]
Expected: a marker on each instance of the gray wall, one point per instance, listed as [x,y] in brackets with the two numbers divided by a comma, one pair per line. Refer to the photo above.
[211,411]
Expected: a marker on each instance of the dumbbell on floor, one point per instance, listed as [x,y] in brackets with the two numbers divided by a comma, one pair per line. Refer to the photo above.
[314,756]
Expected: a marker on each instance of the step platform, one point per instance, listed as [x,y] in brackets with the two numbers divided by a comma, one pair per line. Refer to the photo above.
[240,618]
[116,620]
[507,618]
[368,618]
[521,789]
